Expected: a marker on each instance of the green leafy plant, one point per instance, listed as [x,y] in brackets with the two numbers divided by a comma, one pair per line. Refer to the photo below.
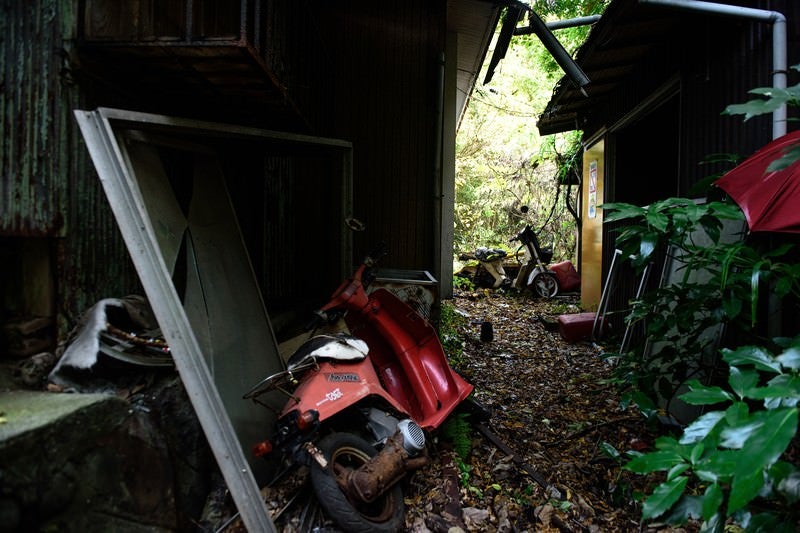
[457,431]
[451,325]
[672,318]
[771,98]
[730,457]
[463,283]
[719,281]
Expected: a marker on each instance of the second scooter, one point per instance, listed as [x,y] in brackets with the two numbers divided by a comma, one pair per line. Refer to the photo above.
[536,273]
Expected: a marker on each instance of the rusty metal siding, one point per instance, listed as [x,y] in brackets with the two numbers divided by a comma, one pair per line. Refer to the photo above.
[49,187]
[32,121]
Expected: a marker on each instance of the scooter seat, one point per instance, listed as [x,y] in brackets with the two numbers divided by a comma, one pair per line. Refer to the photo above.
[329,347]
[490,254]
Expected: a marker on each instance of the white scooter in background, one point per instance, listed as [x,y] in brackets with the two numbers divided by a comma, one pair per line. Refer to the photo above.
[544,279]
[491,259]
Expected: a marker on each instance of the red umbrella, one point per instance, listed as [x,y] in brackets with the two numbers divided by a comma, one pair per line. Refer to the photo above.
[770,199]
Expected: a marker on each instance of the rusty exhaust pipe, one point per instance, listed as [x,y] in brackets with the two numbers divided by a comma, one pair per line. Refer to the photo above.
[398,456]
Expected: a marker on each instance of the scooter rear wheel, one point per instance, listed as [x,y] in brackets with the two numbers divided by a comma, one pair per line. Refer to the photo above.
[545,284]
[384,515]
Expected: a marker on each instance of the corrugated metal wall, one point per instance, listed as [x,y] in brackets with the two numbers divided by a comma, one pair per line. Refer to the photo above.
[718,60]
[33,120]
[49,188]
[384,96]
[390,118]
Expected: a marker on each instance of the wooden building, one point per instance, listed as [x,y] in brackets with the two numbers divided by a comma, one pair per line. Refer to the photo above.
[661,74]
[390,78]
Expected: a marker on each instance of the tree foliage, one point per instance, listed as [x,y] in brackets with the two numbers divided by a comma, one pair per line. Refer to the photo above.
[501,161]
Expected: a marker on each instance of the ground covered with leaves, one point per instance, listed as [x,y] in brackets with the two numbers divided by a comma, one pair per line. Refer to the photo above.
[551,405]
[550,461]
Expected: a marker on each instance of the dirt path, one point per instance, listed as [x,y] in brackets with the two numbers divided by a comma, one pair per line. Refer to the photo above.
[550,404]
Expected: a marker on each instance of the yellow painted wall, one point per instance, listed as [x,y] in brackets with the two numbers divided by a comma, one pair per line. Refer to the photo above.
[592,226]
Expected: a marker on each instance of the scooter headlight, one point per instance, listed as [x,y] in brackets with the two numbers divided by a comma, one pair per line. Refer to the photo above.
[413,436]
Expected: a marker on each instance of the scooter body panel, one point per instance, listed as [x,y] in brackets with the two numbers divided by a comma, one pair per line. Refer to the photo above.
[404,347]
[333,387]
[406,366]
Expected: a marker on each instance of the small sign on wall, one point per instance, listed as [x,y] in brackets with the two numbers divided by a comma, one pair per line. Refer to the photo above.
[593,189]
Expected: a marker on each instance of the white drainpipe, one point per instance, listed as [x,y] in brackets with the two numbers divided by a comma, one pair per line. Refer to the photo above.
[778,21]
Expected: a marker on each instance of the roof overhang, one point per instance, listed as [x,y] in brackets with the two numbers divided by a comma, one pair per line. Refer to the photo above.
[619,42]
[474,22]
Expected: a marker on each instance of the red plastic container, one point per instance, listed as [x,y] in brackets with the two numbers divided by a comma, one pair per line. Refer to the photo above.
[576,327]
[568,277]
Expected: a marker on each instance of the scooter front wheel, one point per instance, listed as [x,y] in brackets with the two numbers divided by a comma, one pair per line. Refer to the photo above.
[345,451]
[545,284]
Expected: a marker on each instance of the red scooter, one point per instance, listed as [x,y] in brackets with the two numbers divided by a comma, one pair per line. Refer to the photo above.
[360,404]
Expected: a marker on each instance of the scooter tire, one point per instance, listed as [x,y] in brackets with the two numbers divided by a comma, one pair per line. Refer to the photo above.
[545,285]
[384,515]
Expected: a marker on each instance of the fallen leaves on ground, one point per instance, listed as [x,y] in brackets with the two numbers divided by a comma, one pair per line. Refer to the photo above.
[551,405]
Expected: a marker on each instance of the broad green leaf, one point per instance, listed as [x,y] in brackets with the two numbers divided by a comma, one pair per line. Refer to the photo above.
[718,465]
[785,478]
[755,279]
[778,251]
[737,414]
[620,211]
[790,358]
[753,108]
[688,507]
[667,443]
[769,523]
[702,395]
[742,381]
[760,449]
[663,497]
[732,306]
[753,355]
[777,403]
[644,404]
[677,470]
[712,499]
[783,286]
[657,220]
[701,427]
[764,447]
[744,488]
[697,452]
[780,470]
[609,450]
[772,92]
[715,525]
[781,386]
[735,437]
[647,246]
[789,487]
[654,461]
